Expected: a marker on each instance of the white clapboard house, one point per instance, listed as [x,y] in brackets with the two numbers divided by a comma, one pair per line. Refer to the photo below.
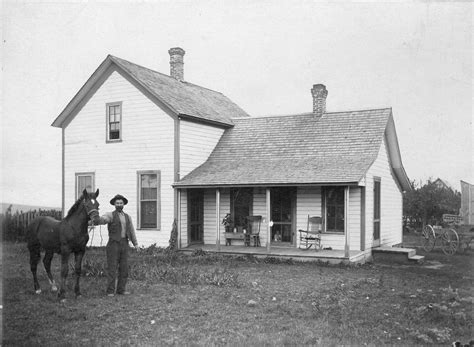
[183,152]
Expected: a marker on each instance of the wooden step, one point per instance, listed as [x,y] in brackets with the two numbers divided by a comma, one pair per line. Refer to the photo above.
[417,259]
[397,255]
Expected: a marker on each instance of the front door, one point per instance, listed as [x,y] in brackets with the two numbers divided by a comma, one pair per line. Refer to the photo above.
[196,216]
[376,212]
[283,206]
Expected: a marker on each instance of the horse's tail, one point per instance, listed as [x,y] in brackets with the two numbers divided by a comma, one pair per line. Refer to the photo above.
[33,243]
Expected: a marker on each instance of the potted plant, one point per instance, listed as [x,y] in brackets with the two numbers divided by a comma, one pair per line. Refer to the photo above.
[227,223]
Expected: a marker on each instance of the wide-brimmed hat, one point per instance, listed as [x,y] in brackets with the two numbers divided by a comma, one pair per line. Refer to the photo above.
[119,197]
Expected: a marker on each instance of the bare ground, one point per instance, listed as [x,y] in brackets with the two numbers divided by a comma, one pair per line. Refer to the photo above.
[267,302]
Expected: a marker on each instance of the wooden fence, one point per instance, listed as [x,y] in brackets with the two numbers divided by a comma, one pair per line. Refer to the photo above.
[23,219]
[14,225]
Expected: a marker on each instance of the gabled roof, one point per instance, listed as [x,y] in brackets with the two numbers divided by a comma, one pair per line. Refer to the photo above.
[183,99]
[337,148]
[443,184]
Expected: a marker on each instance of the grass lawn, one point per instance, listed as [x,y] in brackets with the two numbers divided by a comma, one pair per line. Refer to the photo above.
[216,300]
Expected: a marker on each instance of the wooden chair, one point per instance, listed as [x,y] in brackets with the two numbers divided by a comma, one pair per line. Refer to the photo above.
[254,229]
[312,235]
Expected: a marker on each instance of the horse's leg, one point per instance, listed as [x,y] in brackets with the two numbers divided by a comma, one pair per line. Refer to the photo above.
[35,257]
[48,257]
[78,269]
[65,252]
[34,247]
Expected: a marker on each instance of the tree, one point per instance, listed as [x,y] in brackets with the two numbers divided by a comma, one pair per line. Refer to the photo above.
[427,203]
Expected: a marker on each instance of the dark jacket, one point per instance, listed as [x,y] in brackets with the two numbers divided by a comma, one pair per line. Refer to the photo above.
[115,228]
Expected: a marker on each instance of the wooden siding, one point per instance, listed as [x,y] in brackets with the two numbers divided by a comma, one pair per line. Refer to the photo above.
[210,216]
[259,209]
[184,218]
[309,201]
[116,164]
[197,141]
[354,219]
[391,202]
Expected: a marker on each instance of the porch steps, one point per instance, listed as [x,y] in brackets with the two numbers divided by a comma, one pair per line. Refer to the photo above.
[396,255]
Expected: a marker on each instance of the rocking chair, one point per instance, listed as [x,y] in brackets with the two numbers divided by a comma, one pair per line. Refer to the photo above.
[312,235]
[254,229]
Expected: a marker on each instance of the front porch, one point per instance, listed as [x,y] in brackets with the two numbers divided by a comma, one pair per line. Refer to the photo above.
[283,211]
[330,256]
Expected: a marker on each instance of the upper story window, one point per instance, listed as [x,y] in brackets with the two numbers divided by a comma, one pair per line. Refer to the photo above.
[114,122]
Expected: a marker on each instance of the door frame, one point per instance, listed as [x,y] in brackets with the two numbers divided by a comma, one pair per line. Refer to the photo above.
[193,194]
[377,211]
[292,223]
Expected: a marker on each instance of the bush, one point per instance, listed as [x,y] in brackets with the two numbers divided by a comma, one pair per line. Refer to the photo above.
[154,264]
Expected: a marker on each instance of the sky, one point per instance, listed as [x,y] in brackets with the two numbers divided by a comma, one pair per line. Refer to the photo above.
[415,57]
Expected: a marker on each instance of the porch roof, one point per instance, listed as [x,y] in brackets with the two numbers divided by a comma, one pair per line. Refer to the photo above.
[337,148]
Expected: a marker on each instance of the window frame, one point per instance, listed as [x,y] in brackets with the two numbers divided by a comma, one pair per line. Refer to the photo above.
[107,121]
[76,182]
[377,206]
[158,199]
[325,209]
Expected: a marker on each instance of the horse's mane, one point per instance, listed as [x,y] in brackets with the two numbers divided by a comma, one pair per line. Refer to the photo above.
[75,207]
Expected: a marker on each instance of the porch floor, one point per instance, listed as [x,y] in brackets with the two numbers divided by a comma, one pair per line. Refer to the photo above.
[331,256]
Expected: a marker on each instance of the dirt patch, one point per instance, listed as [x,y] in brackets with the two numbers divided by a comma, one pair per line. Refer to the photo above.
[433,264]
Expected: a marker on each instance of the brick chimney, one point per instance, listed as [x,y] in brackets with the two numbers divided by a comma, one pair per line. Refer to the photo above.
[319,93]
[176,63]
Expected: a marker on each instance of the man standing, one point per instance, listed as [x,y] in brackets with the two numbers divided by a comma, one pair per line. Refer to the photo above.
[121,230]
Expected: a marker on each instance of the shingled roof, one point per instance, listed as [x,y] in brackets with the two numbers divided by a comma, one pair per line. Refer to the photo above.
[337,148]
[182,98]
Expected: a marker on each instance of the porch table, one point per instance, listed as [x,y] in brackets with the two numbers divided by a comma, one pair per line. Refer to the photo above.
[236,236]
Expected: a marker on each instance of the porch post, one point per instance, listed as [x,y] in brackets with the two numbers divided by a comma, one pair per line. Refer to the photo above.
[178,222]
[218,213]
[269,222]
[346,224]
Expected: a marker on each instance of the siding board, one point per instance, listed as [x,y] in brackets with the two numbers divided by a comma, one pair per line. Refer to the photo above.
[391,202]
[197,141]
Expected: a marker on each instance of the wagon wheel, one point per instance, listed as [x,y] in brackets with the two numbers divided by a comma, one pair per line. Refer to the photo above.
[428,238]
[450,241]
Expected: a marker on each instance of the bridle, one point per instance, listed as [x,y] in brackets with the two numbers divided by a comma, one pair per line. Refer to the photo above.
[94,210]
[90,212]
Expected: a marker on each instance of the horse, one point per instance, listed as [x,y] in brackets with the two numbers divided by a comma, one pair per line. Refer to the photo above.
[69,235]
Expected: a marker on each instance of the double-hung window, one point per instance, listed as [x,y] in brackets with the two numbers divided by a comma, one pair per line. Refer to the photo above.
[334,209]
[114,122]
[149,199]
[84,180]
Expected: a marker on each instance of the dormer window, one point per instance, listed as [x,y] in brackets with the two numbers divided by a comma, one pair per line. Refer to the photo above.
[114,122]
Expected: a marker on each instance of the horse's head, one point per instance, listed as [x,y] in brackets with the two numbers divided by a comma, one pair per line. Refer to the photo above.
[91,204]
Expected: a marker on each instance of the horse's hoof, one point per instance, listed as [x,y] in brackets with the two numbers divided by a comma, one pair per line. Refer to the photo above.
[62,301]
[54,289]
[38,291]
